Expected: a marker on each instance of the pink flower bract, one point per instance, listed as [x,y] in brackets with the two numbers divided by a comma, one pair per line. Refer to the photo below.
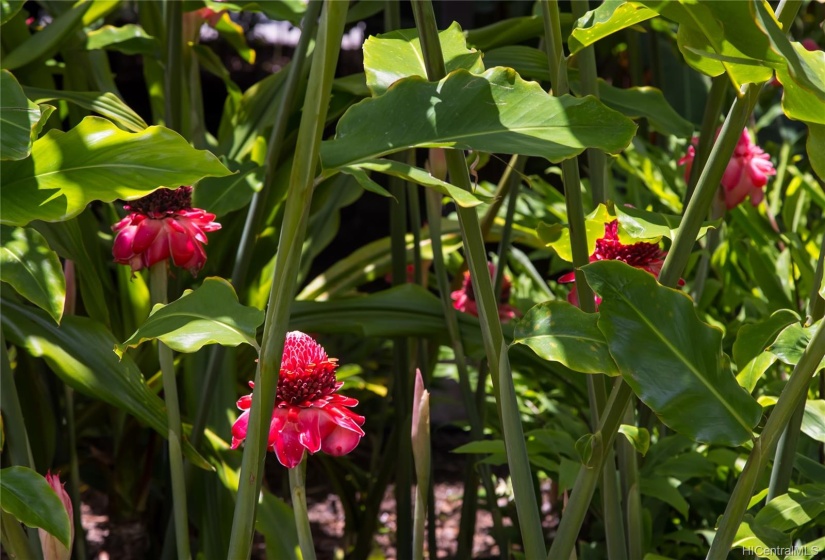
[309,413]
[464,299]
[163,225]
[646,256]
[53,549]
[746,174]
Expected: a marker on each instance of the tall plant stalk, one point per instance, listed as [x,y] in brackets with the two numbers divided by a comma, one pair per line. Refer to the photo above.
[159,274]
[293,231]
[495,348]
[298,490]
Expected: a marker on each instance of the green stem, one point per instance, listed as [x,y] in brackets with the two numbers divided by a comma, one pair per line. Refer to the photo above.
[297,487]
[158,276]
[17,440]
[589,474]
[15,542]
[629,469]
[496,350]
[779,180]
[793,393]
[511,176]
[173,18]
[707,132]
[288,259]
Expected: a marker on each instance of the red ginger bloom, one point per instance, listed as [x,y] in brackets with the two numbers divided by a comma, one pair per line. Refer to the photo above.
[163,225]
[465,299]
[746,174]
[309,414]
[52,548]
[646,256]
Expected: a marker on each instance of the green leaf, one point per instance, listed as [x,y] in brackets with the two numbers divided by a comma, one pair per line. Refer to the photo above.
[397,54]
[792,342]
[210,314]
[561,332]
[753,339]
[9,8]
[557,236]
[32,269]
[758,539]
[493,112]
[49,40]
[29,498]
[97,161]
[363,179]
[610,17]
[642,102]
[752,372]
[256,111]
[680,373]
[642,224]
[222,195]
[530,63]
[815,146]
[80,353]
[666,490]
[791,511]
[417,175]
[282,10]
[234,34]
[639,438]
[813,421]
[276,522]
[482,447]
[19,118]
[128,39]
[106,104]
[513,30]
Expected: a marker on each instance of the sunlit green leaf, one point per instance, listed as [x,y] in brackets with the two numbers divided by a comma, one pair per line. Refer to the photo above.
[557,236]
[758,539]
[561,332]
[753,370]
[792,343]
[80,353]
[642,224]
[210,314]
[32,269]
[397,54]
[610,17]
[29,498]
[97,161]
[639,438]
[790,511]
[128,39]
[493,112]
[813,422]
[752,339]
[106,104]
[680,373]
[18,118]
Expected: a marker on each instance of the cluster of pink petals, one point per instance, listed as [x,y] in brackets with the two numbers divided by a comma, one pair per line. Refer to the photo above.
[464,299]
[309,414]
[746,174]
[52,548]
[645,256]
[146,237]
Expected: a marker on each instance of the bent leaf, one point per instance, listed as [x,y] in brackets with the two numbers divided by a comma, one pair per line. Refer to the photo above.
[97,161]
[29,498]
[610,17]
[642,224]
[792,343]
[752,339]
[561,332]
[210,314]
[680,373]
[18,119]
[32,269]
[496,111]
[80,353]
[105,104]
[397,54]
[128,39]
[813,421]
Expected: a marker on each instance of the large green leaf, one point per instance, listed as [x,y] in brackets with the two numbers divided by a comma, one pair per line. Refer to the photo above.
[32,269]
[666,490]
[210,314]
[752,339]
[18,119]
[29,498]
[792,343]
[106,104]
[671,359]
[9,8]
[493,112]
[221,195]
[48,41]
[610,17]
[792,510]
[397,54]
[557,236]
[80,353]
[642,224]
[97,161]
[561,332]
[128,39]
[813,422]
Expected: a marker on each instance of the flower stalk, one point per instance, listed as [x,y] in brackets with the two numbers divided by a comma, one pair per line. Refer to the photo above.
[420,437]
[495,348]
[158,277]
[293,231]
[297,487]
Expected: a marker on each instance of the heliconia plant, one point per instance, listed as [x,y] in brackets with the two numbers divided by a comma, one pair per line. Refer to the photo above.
[602,227]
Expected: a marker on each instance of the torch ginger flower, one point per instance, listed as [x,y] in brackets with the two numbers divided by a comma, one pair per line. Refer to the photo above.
[52,548]
[465,299]
[161,225]
[746,174]
[646,256]
[309,413]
